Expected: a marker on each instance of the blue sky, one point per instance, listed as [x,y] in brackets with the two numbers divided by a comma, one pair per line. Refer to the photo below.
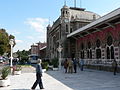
[27,19]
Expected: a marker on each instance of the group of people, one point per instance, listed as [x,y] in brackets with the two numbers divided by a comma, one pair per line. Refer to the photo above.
[70,65]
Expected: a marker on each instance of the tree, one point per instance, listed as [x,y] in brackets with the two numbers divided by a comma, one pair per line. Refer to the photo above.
[23,56]
[4,41]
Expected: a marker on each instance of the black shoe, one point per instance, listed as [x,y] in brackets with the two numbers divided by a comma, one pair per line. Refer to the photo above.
[41,88]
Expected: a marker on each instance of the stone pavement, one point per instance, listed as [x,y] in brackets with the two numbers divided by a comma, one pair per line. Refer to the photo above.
[58,80]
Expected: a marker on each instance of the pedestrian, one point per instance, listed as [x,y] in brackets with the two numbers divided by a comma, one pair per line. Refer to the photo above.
[38,75]
[70,66]
[81,64]
[66,65]
[114,65]
[75,65]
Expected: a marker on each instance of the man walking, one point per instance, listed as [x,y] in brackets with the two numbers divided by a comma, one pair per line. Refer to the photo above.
[38,76]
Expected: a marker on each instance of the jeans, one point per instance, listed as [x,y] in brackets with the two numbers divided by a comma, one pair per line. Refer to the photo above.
[38,81]
[81,67]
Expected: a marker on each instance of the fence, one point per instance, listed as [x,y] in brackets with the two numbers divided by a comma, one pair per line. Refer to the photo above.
[102,62]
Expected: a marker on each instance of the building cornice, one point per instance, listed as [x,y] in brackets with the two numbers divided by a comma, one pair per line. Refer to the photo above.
[110,16]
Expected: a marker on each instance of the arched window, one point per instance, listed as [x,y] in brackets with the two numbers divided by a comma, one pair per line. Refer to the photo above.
[98,50]
[63,13]
[66,12]
[110,49]
[82,46]
[90,54]
[109,41]
[89,45]
[66,28]
[108,53]
[112,52]
[98,43]
[82,54]
[89,51]
[71,30]
[98,53]
[82,51]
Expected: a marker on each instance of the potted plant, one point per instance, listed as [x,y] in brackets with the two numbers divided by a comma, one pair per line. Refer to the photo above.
[44,66]
[4,81]
[17,70]
[55,63]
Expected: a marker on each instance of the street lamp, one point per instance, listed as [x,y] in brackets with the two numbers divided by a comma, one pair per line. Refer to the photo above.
[11,44]
[59,50]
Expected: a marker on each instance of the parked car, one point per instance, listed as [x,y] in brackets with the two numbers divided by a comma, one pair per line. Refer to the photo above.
[1,60]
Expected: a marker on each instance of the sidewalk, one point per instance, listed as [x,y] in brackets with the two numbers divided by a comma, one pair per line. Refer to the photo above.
[58,80]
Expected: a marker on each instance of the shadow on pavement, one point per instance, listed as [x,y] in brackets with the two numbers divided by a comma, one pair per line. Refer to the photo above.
[87,80]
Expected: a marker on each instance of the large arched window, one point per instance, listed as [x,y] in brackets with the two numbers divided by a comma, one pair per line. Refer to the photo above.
[98,43]
[112,52]
[109,41]
[82,51]
[89,51]
[110,48]
[98,50]
[108,53]
[82,46]
[88,55]
[66,28]
[89,45]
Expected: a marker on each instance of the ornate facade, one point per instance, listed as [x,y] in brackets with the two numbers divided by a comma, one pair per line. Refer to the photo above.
[99,39]
[69,21]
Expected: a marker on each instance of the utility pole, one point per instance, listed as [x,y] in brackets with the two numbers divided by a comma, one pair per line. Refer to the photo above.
[80,3]
[74,3]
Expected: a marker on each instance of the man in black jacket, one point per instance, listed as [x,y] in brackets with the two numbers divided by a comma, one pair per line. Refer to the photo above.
[38,76]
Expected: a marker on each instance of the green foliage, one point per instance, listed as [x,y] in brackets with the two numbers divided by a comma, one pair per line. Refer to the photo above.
[5,72]
[4,41]
[23,56]
[55,62]
[45,65]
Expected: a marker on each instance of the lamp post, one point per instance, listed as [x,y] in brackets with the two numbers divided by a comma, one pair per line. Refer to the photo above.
[59,50]
[11,44]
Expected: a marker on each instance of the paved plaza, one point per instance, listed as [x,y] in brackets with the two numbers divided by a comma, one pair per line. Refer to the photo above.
[58,80]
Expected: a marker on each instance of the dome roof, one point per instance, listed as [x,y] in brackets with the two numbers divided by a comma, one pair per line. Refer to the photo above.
[82,14]
[65,7]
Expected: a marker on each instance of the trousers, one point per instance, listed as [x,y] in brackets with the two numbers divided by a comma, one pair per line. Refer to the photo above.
[38,81]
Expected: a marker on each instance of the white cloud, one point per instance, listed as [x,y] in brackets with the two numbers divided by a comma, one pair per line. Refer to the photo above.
[18,41]
[30,37]
[14,32]
[38,24]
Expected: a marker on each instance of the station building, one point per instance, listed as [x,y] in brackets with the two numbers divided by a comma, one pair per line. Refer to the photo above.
[98,40]
[70,19]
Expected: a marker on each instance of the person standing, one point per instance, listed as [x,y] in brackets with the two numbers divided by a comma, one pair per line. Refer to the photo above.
[38,75]
[81,64]
[70,66]
[114,65]
[75,65]
[66,65]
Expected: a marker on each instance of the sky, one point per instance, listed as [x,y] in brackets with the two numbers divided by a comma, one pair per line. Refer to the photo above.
[27,19]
